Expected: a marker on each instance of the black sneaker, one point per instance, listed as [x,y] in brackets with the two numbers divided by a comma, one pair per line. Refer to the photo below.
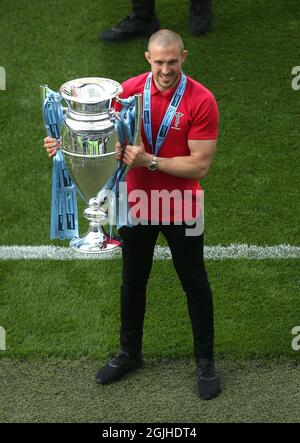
[118,366]
[130,27]
[200,18]
[208,379]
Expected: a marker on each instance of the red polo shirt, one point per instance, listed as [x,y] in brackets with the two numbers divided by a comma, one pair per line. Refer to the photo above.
[196,118]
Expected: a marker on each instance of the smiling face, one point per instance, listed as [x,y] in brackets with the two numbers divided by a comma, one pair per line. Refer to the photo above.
[166,63]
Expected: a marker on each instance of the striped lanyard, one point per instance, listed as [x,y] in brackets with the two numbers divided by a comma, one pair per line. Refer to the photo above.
[169,115]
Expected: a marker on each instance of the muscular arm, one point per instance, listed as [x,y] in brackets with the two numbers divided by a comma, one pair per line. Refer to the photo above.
[195,165]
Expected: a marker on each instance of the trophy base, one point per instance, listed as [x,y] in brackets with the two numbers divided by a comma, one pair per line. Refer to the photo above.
[94,242]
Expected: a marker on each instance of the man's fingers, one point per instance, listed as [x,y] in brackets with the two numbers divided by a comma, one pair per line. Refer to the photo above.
[51,151]
[50,140]
[50,143]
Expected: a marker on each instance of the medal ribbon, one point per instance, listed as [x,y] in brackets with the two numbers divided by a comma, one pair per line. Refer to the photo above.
[124,126]
[169,115]
[64,215]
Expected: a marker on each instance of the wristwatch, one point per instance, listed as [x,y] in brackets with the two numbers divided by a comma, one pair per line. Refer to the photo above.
[152,166]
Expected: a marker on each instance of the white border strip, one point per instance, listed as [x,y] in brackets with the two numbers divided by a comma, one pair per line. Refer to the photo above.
[233,251]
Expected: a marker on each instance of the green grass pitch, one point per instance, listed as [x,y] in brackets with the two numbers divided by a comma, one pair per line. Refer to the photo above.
[69,311]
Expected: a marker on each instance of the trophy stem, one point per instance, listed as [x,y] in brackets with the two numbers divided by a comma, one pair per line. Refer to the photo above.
[95,241]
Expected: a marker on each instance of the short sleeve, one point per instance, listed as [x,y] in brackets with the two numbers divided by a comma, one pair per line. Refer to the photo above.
[205,119]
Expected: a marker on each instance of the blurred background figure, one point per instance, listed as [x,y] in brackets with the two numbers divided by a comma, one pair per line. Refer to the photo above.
[142,22]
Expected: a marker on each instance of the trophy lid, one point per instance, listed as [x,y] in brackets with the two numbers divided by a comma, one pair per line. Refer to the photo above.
[90,90]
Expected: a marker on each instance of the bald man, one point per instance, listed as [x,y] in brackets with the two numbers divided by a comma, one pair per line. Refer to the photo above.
[143,21]
[170,158]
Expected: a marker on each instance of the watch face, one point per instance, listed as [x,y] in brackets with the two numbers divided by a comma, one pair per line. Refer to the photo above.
[152,166]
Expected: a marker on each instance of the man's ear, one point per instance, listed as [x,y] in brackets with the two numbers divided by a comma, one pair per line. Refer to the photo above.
[147,56]
[184,55]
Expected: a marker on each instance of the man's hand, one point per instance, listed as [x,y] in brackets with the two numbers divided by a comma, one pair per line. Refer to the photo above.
[51,145]
[136,156]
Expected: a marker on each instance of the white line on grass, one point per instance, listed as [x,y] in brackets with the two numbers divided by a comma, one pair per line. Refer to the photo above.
[232,251]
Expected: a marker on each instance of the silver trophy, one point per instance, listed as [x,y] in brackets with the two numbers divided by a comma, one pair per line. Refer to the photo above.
[88,146]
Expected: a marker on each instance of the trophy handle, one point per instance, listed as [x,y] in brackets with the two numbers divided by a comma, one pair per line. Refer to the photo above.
[55,117]
[138,104]
[43,91]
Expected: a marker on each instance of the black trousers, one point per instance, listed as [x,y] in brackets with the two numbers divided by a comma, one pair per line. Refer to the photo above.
[145,9]
[187,254]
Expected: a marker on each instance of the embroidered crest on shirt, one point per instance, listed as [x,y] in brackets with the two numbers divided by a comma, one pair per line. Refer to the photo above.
[178,116]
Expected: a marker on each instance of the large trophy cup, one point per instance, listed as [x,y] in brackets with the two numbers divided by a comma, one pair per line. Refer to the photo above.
[88,146]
